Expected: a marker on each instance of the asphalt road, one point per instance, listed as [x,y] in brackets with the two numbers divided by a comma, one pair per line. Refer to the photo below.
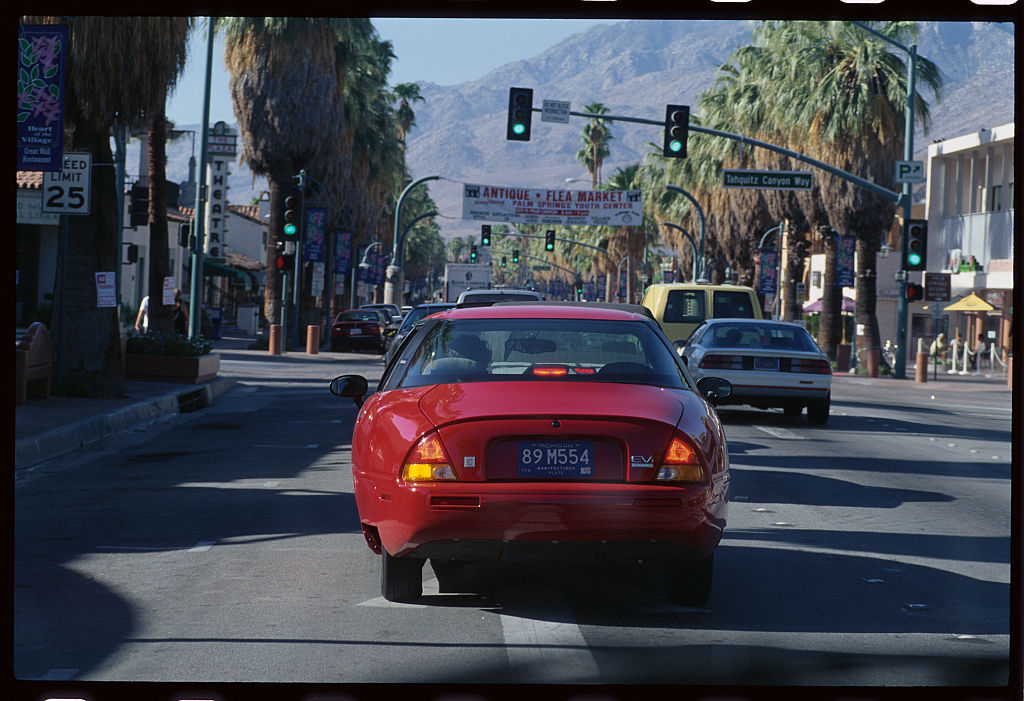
[224,546]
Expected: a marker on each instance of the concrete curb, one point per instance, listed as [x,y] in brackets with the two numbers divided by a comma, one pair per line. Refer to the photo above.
[67,439]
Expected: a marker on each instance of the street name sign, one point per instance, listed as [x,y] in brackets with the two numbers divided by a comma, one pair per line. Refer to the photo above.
[768,179]
[68,190]
[555,111]
[909,171]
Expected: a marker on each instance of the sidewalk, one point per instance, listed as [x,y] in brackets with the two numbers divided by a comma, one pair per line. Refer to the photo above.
[48,428]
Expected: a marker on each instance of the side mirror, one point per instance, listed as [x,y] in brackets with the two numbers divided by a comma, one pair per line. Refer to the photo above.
[354,386]
[714,389]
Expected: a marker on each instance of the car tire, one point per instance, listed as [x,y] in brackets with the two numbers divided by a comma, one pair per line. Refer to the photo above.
[792,410]
[817,411]
[688,580]
[401,578]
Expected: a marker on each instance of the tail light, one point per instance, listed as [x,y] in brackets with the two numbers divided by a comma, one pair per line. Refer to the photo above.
[550,371]
[428,461]
[815,366]
[680,464]
[721,362]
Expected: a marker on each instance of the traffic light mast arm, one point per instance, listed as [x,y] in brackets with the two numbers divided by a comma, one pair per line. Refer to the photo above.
[877,189]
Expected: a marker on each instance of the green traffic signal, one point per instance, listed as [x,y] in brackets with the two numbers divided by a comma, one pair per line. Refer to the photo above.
[290,229]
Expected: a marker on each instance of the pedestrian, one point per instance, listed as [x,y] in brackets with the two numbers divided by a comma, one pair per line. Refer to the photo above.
[180,315]
[979,352]
[142,318]
[937,350]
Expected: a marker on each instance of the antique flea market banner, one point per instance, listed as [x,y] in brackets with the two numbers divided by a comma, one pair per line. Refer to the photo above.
[542,206]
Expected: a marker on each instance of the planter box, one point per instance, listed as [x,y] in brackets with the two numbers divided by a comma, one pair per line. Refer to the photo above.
[163,368]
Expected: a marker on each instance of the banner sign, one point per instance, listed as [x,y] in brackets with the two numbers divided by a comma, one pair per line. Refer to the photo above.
[846,246]
[342,250]
[560,207]
[42,52]
[769,271]
[316,235]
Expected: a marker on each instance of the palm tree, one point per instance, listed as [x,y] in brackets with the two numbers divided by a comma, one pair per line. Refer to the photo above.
[286,97]
[406,92]
[170,50]
[107,80]
[595,137]
[846,94]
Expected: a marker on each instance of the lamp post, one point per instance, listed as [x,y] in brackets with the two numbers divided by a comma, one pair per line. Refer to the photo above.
[700,215]
[391,296]
[902,309]
[693,246]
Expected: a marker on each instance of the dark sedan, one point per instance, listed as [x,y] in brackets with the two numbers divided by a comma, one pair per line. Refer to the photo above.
[360,329]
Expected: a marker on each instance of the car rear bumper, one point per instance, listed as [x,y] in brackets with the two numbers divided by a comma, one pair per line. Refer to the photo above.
[485,521]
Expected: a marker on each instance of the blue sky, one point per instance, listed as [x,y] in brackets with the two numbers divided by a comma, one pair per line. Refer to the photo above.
[443,51]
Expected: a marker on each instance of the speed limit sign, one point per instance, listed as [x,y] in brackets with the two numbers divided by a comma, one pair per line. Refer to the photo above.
[67,191]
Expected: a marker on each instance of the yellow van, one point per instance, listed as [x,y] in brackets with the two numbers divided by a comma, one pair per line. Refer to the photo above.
[680,307]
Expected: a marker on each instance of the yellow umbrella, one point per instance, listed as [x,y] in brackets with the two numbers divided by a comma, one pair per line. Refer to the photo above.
[970,303]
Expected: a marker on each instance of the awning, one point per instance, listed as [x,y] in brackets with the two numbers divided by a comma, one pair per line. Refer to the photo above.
[970,303]
[815,307]
[211,269]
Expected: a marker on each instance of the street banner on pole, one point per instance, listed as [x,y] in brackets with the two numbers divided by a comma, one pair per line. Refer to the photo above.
[560,207]
[316,235]
[769,271]
[342,250]
[42,54]
[845,248]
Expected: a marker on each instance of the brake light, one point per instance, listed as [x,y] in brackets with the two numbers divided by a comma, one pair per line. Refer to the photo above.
[810,365]
[680,463]
[722,362]
[550,371]
[585,371]
[428,461]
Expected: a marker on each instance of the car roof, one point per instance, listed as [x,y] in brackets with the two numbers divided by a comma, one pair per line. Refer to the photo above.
[718,321]
[633,308]
[541,310]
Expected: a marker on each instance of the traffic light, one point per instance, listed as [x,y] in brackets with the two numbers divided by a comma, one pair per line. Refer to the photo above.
[549,240]
[515,255]
[184,233]
[915,244]
[138,207]
[503,263]
[485,234]
[291,215]
[472,253]
[579,287]
[915,293]
[677,124]
[520,113]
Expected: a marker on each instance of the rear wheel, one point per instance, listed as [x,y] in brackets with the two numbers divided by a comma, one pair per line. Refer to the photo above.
[689,580]
[401,579]
[817,411]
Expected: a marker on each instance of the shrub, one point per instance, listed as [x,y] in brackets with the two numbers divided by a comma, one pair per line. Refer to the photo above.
[154,343]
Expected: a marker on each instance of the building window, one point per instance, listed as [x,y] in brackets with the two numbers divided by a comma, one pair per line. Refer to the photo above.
[997,199]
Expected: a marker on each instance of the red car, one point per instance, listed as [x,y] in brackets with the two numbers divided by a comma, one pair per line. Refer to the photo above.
[359,329]
[542,431]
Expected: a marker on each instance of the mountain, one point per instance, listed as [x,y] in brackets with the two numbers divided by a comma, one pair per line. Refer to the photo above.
[635,68]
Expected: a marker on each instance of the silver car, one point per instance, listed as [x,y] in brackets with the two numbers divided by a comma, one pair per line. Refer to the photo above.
[769,363]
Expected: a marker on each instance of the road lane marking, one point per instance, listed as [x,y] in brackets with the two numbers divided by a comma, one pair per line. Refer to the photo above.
[780,432]
[554,651]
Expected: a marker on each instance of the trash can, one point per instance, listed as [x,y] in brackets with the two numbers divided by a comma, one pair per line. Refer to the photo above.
[216,316]
[843,351]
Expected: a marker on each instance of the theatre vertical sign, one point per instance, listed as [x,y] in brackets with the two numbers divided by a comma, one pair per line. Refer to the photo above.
[42,54]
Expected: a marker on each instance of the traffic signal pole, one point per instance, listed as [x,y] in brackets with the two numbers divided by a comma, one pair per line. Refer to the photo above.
[195,294]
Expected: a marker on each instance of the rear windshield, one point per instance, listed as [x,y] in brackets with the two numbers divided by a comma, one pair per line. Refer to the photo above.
[417,313]
[365,315]
[758,337]
[732,304]
[567,350]
[685,307]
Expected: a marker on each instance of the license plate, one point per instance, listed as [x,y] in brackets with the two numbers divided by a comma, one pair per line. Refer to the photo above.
[556,459]
[354,332]
[766,363]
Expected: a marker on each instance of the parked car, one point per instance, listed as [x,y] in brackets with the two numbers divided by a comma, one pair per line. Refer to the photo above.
[360,329]
[769,364]
[680,307]
[544,432]
[394,313]
[420,311]
[482,297]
